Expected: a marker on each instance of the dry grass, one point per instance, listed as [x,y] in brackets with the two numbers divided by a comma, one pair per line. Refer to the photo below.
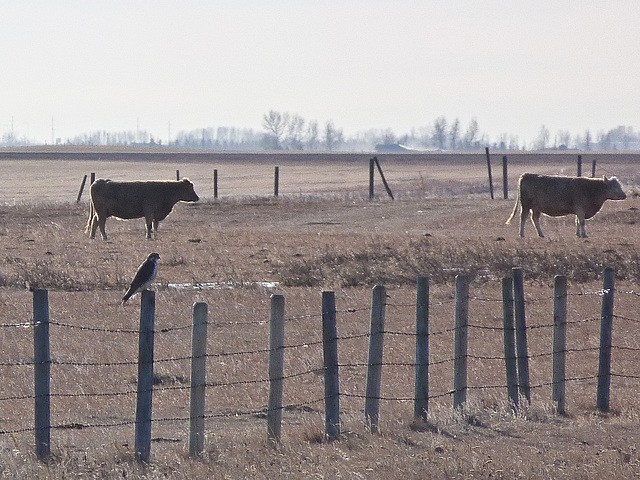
[337,241]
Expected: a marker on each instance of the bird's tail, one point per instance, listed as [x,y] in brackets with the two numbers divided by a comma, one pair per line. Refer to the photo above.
[126,297]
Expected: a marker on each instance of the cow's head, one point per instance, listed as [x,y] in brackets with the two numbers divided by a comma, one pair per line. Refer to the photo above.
[188,194]
[614,189]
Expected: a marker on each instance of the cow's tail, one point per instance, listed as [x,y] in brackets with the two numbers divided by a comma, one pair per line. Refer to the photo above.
[92,212]
[515,208]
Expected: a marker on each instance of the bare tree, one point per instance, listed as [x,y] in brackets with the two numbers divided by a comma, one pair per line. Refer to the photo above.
[275,123]
[295,132]
[332,136]
[440,132]
[313,135]
[454,134]
[470,136]
[388,137]
[587,140]
[563,138]
[542,140]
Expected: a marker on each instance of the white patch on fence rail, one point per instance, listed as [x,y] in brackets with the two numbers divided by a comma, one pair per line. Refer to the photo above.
[221,285]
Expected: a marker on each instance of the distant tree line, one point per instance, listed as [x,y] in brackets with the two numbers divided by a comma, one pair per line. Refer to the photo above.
[290,131]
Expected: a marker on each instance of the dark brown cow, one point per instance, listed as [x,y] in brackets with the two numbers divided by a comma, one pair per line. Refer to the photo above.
[152,200]
[558,196]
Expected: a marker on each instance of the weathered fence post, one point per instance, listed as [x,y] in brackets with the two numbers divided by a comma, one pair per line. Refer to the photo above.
[593,168]
[215,183]
[486,149]
[276,369]
[93,177]
[505,179]
[606,326]
[509,340]
[559,342]
[84,180]
[178,175]
[145,376]
[521,333]
[374,369]
[198,378]
[330,354]
[384,180]
[460,341]
[42,370]
[371,178]
[579,165]
[421,397]
[276,181]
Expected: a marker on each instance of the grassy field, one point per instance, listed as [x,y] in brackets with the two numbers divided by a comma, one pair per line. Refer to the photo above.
[322,233]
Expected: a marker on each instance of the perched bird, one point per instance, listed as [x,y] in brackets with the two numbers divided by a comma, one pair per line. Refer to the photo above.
[145,275]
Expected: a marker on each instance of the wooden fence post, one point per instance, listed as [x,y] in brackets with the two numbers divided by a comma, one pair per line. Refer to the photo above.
[486,149]
[509,341]
[505,179]
[460,341]
[606,326]
[593,168]
[579,165]
[371,178]
[178,175]
[198,378]
[559,342]
[521,333]
[42,370]
[276,369]
[93,177]
[145,376]
[384,180]
[330,354]
[215,183]
[276,181]
[421,397]
[84,180]
[374,369]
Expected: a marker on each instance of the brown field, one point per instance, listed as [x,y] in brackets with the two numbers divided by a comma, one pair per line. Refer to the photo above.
[322,233]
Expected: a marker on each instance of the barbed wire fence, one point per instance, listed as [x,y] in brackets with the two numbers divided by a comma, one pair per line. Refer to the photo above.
[432,354]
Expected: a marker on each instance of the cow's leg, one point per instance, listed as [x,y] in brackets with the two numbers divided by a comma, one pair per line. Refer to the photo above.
[535,218]
[580,231]
[149,223]
[100,223]
[93,226]
[155,227]
[523,219]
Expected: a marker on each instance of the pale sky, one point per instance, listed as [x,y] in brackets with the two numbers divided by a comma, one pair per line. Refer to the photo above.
[514,65]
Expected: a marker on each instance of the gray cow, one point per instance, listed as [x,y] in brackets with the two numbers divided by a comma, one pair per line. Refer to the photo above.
[152,200]
[558,196]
